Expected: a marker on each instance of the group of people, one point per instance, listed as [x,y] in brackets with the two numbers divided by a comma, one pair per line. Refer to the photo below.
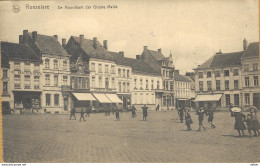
[184,112]
[252,124]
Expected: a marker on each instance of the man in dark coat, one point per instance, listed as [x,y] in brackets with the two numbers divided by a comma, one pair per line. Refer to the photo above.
[72,113]
[188,120]
[200,113]
[210,113]
[117,113]
[88,111]
[180,111]
[239,122]
[157,107]
[133,109]
[82,115]
[145,114]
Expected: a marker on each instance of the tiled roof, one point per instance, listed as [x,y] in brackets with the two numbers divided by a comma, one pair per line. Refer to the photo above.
[181,78]
[153,58]
[138,66]
[49,45]
[157,55]
[17,51]
[222,60]
[252,50]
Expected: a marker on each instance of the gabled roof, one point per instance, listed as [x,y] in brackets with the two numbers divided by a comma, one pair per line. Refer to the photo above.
[181,78]
[157,55]
[252,50]
[16,51]
[222,60]
[49,45]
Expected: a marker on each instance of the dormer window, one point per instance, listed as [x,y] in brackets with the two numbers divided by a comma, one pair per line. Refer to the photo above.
[55,64]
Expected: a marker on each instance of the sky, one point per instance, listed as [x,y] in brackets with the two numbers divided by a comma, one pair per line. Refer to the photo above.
[192,30]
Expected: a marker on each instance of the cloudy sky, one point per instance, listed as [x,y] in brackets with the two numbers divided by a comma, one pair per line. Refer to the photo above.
[192,30]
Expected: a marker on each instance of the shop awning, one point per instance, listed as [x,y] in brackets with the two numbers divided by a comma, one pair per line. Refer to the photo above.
[114,98]
[84,96]
[209,97]
[102,98]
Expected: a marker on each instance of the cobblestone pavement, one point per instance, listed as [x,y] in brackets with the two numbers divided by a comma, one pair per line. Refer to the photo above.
[55,138]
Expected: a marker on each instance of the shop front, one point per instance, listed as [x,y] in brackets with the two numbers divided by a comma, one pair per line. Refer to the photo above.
[126,100]
[82,100]
[183,102]
[207,100]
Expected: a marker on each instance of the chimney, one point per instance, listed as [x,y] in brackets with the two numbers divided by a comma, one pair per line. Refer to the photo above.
[138,57]
[34,36]
[25,36]
[63,42]
[122,53]
[55,36]
[145,47]
[244,44]
[81,40]
[20,39]
[105,44]
[160,50]
[95,43]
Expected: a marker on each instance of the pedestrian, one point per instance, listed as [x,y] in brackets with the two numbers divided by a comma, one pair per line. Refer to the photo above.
[72,113]
[113,109]
[157,107]
[45,111]
[210,113]
[249,124]
[105,109]
[108,110]
[133,109]
[181,114]
[88,111]
[117,113]
[256,124]
[145,114]
[200,113]
[82,115]
[239,122]
[188,120]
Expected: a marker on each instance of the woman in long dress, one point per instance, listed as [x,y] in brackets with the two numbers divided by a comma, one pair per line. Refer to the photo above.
[239,122]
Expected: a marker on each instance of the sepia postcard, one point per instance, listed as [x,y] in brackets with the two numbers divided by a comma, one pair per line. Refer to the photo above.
[149,81]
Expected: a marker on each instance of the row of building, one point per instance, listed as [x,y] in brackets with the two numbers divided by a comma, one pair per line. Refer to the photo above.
[41,75]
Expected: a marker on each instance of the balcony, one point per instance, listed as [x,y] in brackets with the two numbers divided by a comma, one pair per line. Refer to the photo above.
[66,88]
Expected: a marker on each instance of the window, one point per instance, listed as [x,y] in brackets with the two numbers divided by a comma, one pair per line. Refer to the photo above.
[171,85]
[152,84]
[36,82]
[55,64]
[246,67]
[247,81]
[119,86]
[5,87]
[119,72]
[124,88]
[201,85]
[72,82]
[226,73]
[92,66]
[107,83]
[56,80]
[100,81]
[255,66]
[36,64]
[47,79]
[16,62]
[48,99]
[135,83]
[128,87]
[86,83]
[217,73]
[123,72]
[236,98]
[158,84]
[255,80]
[227,99]
[80,82]
[128,74]
[209,85]
[106,68]
[247,98]
[100,68]
[27,82]
[208,74]
[65,80]
[235,71]
[146,85]
[113,82]
[166,85]
[47,63]
[200,74]
[167,73]
[65,65]
[56,99]
[163,72]
[235,84]
[226,84]
[5,73]
[93,81]
[112,69]
[163,84]
[141,83]
[17,81]
[27,63]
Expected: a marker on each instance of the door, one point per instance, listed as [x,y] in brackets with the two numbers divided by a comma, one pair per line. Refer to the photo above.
[236,98]
[256,98]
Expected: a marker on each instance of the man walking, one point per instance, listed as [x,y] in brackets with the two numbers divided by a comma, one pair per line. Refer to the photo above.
[82,115]
[133,111]
[72,113]
[117,113]
[145,114]
[88,110]
[157,107]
